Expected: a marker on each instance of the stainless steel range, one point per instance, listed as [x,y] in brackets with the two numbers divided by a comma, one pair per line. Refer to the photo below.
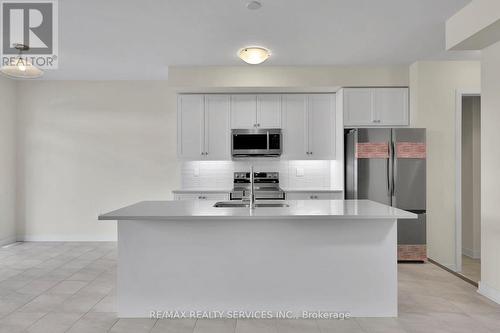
[266,186]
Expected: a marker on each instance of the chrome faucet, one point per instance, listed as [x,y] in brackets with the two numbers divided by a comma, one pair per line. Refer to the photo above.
[252,193]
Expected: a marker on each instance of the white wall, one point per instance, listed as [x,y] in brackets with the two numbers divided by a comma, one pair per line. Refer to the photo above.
[91,147]
[471,176]
[7,161]
[490,177]
[433,87]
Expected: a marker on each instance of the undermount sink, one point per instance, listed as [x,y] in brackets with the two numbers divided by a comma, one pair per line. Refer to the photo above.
[240,204]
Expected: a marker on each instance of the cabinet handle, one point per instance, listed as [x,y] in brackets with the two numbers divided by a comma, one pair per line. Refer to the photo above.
[258,125]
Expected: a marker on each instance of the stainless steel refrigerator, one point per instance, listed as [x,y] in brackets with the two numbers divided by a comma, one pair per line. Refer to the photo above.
[388,165]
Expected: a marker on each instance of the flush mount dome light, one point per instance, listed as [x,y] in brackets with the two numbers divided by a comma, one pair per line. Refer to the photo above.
[21,67]
[253,5]
[254,55]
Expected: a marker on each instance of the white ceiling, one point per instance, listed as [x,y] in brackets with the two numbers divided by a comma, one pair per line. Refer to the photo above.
[139,39]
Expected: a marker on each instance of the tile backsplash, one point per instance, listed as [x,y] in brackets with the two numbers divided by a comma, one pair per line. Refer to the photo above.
[293,174]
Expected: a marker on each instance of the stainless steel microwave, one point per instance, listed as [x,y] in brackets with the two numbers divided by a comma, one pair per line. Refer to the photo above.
[256,142]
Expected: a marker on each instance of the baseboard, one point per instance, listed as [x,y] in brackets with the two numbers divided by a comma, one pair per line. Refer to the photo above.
[67,238]
[8,240]
[471,253]
[451,267]
[489,292]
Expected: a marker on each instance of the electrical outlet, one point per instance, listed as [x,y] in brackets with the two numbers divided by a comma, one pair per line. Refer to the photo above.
[299,172]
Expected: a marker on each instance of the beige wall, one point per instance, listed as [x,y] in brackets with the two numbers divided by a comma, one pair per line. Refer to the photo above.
[90,147]
[87,147]
[287,77]
[433,87]
[490,177]
[7,161]
[471,176]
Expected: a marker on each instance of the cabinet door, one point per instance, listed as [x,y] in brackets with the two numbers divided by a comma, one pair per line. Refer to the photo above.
[321,126]
[295,126]
[217,132]
[358,108]
[243,111]
[390,106]
[269,111]
[190,126]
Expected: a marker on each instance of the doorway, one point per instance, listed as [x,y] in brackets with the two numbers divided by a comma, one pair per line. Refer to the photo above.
[469,191]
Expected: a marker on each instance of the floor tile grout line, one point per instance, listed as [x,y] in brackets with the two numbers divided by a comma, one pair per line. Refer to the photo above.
[69,296]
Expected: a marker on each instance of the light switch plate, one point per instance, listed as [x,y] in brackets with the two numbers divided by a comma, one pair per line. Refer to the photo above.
[299,172]
[196,171]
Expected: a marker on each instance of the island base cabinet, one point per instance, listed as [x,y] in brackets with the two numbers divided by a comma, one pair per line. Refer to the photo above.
[342,265]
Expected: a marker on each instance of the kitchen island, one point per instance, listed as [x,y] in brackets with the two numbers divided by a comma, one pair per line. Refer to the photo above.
[309,255]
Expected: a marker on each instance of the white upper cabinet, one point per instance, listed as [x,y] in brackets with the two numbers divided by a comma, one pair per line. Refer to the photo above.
[309,126]
[243,111]
[295,133]
[308,123]
[375,106]
[358,108]
[390,106]
[255,111]
[321,123]
[190,126]
[217,134]
[203,127]
[268,111]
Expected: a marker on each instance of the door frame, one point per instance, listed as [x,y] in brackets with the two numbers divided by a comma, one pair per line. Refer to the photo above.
[459,94]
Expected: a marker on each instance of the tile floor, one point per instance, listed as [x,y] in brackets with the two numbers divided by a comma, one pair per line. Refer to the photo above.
[471,268]
[69,287]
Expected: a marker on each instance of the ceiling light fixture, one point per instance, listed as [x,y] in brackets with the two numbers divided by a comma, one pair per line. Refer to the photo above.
[254,55]
[20,67]
[253,5]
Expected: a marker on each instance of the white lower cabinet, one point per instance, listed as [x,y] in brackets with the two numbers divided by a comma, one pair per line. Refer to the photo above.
[201,196]
[314,195]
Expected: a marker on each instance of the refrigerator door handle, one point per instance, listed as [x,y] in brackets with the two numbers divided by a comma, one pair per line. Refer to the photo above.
[389,171]
[394,169]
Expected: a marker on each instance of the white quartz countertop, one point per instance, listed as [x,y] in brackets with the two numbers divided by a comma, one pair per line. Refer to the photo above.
[297,209]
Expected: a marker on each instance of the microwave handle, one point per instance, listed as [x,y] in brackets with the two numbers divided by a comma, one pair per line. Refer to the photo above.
[267,136]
